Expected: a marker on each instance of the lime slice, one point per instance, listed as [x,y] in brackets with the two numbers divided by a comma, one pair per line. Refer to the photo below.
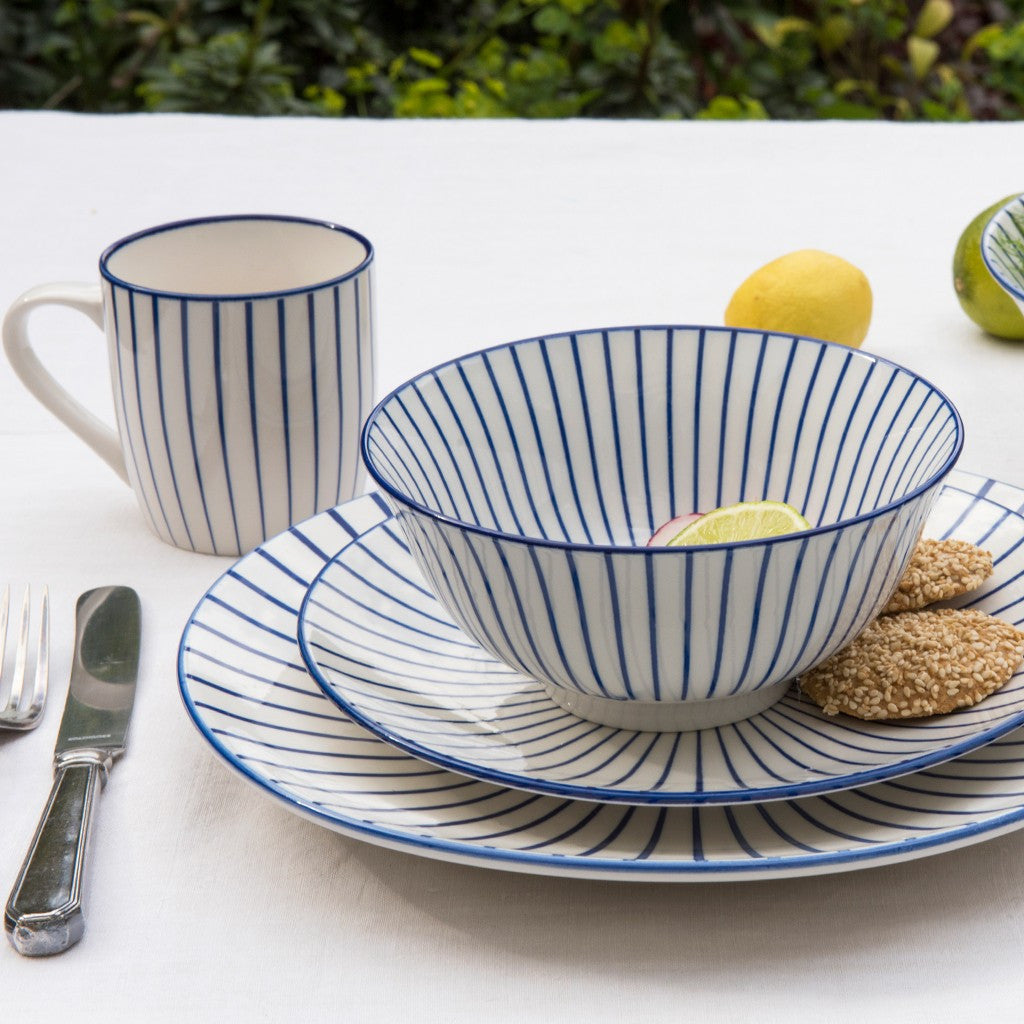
[746,520]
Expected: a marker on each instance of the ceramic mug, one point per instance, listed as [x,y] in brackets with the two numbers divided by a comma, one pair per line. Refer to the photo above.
[242,364]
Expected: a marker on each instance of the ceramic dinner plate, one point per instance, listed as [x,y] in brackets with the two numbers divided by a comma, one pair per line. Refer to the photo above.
[373,635]
[245,687]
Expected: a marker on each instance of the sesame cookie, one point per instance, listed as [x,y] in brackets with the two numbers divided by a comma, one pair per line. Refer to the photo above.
[915,664]
[939,570]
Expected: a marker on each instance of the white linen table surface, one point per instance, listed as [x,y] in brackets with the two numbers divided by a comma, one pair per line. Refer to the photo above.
[207,900]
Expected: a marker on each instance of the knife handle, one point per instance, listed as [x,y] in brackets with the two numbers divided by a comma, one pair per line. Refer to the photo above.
[44,912]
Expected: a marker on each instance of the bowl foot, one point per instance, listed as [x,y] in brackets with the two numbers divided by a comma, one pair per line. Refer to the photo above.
[667,716]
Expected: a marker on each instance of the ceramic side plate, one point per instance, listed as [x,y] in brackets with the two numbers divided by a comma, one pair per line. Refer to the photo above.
[384,649]
[247,691]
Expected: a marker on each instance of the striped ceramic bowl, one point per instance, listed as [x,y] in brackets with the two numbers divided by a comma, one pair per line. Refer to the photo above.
[528,477]
[1002,248]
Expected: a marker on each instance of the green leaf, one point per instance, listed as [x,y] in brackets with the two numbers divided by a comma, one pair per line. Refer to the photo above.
[424,86]
[845,86]
[834,33]
[329,101]
[553,20]
[923,53]
[774,31]
[425,57]
[497,87]
[981,40]
[733,108]
[620,40]
[934,17]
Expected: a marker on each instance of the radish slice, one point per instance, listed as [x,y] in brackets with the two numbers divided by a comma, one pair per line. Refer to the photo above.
[671,528]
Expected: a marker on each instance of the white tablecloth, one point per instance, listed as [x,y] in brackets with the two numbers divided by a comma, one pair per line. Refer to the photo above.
[208,901]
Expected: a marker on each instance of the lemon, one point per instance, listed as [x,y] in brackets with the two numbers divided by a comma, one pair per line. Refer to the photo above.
[980,294]
[746,520]
[806,292]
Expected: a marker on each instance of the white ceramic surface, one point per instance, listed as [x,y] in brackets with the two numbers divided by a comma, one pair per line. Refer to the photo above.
[246,690]
[378,642]
[528,478]
[242,367]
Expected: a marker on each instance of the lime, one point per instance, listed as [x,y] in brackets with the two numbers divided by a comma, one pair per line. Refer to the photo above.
[980,294]
[807,292]
[746,520]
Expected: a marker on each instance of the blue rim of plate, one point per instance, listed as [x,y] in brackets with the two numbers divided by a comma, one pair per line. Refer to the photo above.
[916,815]
[398,724]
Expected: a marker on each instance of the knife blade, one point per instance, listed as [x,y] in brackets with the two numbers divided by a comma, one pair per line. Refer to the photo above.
[44,911]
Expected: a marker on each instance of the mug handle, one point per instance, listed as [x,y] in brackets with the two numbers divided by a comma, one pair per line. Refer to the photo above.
[87,299]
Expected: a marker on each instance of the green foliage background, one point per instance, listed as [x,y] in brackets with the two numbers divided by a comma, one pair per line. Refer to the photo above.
[795,59]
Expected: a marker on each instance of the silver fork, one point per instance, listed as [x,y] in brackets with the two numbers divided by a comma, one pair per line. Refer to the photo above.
[21,708]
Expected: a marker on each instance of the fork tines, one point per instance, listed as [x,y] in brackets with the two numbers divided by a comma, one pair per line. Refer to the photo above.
[21,708]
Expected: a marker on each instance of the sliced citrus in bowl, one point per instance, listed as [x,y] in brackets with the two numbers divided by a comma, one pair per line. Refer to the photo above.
[671,529]
[746,520]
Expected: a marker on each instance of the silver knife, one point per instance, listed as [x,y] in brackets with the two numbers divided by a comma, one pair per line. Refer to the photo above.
[44,912]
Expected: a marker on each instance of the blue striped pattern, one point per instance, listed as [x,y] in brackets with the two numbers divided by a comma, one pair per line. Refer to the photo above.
[375,638]
[524,475]
[244,686]
[240,416]
[1002,248]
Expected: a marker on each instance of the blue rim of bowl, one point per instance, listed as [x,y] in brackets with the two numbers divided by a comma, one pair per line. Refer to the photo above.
[988,238]
[642,798]
[512,538]
[191,222]
[464,853]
